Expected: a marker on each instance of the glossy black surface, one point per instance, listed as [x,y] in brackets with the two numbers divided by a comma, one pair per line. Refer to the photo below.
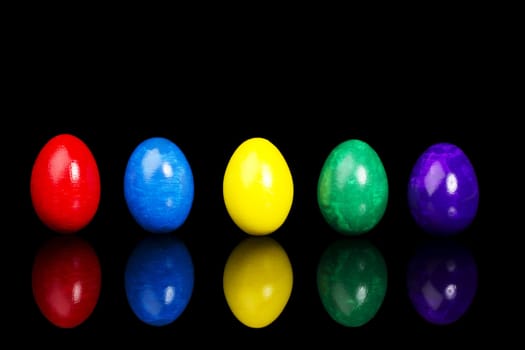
[210,236]
[306,107]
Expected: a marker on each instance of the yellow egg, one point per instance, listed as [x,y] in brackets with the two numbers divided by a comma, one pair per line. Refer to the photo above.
[258,187]
[257,281]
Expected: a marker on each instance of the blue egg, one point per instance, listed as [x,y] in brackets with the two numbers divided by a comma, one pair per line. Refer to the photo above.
[158,185]
[159,279]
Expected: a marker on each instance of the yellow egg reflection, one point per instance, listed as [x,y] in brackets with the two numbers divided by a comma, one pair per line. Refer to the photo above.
[257,281]
[258,187]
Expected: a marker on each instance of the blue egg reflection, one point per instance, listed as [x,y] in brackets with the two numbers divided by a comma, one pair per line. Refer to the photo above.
[159,279]
[442,280]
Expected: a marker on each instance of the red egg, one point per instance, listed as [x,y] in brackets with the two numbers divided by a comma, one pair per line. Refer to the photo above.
[65,184]
[66,280]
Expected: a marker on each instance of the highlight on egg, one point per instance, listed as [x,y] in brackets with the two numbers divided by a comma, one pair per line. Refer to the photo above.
[159,185]
[65,184]
[257,281]
[258,187]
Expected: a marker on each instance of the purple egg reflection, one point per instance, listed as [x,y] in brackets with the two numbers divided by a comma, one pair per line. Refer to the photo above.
[442,280]
[443,192]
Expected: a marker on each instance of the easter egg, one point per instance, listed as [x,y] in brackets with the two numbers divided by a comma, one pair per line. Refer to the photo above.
[159,279]
[257,281]
[352,281]
[352,190]
[65,184]
[258,187]
[443,193]
[442,281]
[158,185]
[66,280]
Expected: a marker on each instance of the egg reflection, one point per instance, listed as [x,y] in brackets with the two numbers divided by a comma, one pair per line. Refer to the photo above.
[159,279]
[257,281]
[352,281]
[442,280]
[66,280]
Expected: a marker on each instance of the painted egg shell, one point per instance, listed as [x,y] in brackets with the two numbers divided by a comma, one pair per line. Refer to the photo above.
[65,184]
[443,192]
[352,281]
[158,185]
[66,280]
[159,279]
[442,279]
[258,187]
[257,281]
[352,190]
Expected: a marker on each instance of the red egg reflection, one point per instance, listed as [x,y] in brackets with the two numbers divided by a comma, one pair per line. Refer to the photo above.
[66,280]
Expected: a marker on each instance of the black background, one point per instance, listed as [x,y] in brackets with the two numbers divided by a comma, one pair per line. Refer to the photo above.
[303,99]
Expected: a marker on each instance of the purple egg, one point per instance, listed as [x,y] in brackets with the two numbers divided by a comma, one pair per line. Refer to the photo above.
[443,192]
[442,280]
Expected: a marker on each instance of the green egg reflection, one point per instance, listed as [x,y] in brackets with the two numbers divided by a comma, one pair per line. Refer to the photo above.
[352,281]
[352,191]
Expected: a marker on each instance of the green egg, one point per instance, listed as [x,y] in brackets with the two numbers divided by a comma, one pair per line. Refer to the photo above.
[352,191]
